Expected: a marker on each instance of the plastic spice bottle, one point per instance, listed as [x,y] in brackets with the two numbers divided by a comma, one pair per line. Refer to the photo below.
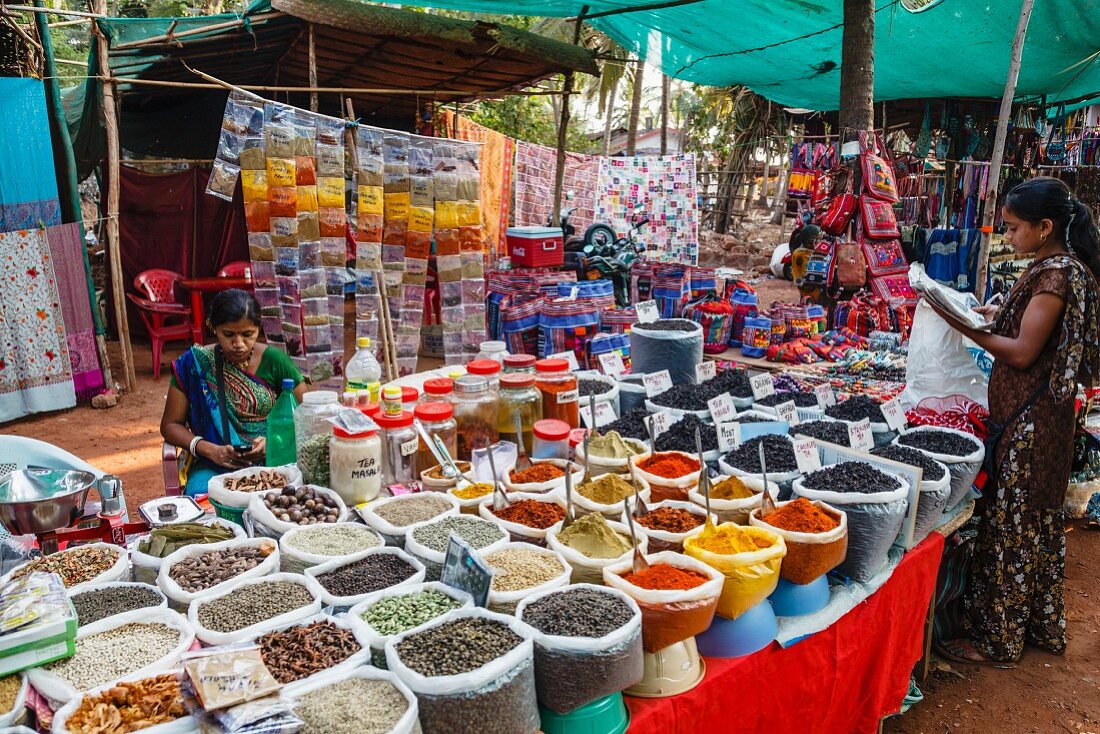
[399,448]
[392,404]
[487,368]
[551,440]
[495,350]
[559,391]
[437,390]
[475,412]
[524,363]
[311,420]
[437,418]
[409,396]
[355,465]
[518,396]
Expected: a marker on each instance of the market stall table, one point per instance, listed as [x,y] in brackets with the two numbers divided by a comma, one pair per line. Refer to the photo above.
[843,679]
[199,286]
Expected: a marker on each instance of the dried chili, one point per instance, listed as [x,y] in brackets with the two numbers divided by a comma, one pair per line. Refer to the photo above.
[537,474]
[669,465]
[671,520]
[802,516]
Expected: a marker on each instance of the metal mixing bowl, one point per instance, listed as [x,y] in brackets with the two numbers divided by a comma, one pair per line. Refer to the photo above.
[36,501]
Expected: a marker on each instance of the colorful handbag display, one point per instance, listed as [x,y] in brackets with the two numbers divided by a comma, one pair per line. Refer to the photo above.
[884,257]
[894,288]
[877,218]
[878,174]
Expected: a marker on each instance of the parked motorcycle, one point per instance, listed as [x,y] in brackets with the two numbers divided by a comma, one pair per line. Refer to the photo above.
[569,232]
[600,254]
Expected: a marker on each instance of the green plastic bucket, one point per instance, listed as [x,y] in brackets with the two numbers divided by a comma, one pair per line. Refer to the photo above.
[607,715]
[233,514]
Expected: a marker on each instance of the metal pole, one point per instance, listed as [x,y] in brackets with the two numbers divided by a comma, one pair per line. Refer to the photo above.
[990,210]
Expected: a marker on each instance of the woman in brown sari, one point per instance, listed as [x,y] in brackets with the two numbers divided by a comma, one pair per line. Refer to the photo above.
[1045,342]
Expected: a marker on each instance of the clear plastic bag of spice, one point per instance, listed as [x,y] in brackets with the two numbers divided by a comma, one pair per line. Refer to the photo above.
[573,671]
[212,637]
[378,640]
[497,698]
[408,723]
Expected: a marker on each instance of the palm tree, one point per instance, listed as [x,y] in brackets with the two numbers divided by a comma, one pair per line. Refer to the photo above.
[635,106]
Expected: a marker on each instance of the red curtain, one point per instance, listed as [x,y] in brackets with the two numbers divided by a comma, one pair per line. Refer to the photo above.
[169,221]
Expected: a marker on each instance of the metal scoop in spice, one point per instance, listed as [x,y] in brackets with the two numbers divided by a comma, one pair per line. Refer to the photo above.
[568,519]
[522,462]
[444,468]
[500,499]
[461,482]
[767,502]
[640,510]
[638,562]
[704,481]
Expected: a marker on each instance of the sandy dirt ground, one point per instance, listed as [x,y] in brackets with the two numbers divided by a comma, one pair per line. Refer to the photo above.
[1044,694]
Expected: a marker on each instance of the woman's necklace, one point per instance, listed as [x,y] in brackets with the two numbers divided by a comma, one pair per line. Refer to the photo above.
[244,363]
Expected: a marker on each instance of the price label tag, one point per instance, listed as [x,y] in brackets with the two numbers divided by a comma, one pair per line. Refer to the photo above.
[662,421]
[826,398]
[463,569]
[729,436]
[762,386]
[410,447]
[805,454]
[656,383]
[612,363]
[859,435]
[722,408]
[647,311]
[573,293]
[568,396]
[604,414]
[570,357]
[895,415]
[788,412]
[706,370]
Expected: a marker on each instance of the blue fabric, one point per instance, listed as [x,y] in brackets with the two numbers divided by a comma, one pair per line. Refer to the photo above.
[28,184]
[942,262]
[198,477]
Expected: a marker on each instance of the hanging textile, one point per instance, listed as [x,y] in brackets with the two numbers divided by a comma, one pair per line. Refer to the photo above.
[534,181]
[35,373]
[66,244]
[28,186]
[663,188]
[497,152]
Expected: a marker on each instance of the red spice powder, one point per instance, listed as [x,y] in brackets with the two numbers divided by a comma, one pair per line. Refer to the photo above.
[532,513]
[669,466]
[537,473]
[665,577]
[802,516]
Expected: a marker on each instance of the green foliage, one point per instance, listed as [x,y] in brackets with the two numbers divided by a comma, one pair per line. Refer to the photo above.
[531,119]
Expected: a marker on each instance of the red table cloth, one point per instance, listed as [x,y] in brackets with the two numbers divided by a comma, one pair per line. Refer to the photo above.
[843,679]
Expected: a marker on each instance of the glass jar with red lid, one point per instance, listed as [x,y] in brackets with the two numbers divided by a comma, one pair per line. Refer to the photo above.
[487,368]
[558,387]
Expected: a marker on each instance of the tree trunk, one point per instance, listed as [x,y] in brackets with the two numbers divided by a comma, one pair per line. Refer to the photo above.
[857,68]
[635,107]
[609,119]
[666,88]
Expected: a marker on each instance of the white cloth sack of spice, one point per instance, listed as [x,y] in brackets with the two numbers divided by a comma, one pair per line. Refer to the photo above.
[515,668]
[179,599]
[377,640]
[504,602]
[942,362]
[358,658]
[660,540]
[217,491]
[685,483]
[329,599]
[147,567]
[554,485]
[394,535]
[211,637]
[85,588]
[590,570]
[519,532]
[407,724]
[932,502]
[7,718]
[617,656]
[735,511]
[433,559]
[120,571]
[779,478]
[611,511]
[601,465]
[293,560]
[58,690]
[265,523]
[183,725]
[964,469]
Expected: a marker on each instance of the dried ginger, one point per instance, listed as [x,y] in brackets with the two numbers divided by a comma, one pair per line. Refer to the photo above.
[129,707]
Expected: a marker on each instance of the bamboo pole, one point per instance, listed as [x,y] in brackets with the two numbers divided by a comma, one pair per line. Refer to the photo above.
[990,209]
[312,67]
[563,131]
[343,90]
[173,37]
[54,11]
[385,328]
[118,288]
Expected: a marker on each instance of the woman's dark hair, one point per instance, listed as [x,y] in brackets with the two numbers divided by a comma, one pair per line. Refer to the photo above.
[1045,197]
[233,305]
[805,236]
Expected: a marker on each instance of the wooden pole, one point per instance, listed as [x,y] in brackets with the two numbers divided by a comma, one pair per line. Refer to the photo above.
[666,91]
[118,287]
[173,37]
[480,93]
[563,131]
[990,210]
[312,67]
[54,11]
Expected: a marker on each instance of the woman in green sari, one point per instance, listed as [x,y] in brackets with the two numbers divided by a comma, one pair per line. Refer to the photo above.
[252,373]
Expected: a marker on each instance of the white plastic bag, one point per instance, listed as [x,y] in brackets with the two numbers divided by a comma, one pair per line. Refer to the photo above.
[433,559]
[407,724]
[84,588]
[590,570]
[931,504]
[874,521]
[58,690]
[501,691]
[375,639]
[964,469]
[394,535]
[505,602]
[183,725]
[357,659]
[329,599]
[518,532]
[600,465]
[9,718]
[179,599]
[676,413]
[566,667]
[675,488]
[120,571]
[210,637]
[735,511]
[661,540]
[267,525]
[611,511]
[809,555]
[292,560]
[554,485]
[942,361]
[147,567]
[231,498]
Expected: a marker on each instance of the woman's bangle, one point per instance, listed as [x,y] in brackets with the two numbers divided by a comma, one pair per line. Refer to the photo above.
[194,445]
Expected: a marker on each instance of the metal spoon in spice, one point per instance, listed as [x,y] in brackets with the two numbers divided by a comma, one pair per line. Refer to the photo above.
[461,482]
[638,561]
[522,462]
[587,466]
[500,499]
[568,519]
[444,468]
[767,502]
[704,481]
[640,510]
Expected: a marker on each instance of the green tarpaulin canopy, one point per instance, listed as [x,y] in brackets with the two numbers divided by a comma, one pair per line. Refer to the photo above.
[789,50]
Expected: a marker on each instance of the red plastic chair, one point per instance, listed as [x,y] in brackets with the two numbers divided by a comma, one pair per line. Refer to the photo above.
[165,319]
[236,269]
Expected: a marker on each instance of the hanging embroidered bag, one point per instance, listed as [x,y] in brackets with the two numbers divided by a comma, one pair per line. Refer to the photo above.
[878,218]
[878,174]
